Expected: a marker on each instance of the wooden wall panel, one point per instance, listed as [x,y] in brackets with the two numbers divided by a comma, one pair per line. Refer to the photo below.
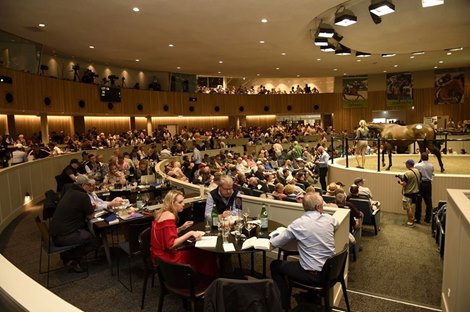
[3,124]
[108,124]
[60,123]
[29,92]
[27,124]
[141,123]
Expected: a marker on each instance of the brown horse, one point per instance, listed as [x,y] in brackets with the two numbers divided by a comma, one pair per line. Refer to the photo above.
[406,135]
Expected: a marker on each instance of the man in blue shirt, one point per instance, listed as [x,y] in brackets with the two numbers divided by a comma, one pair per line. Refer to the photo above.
[314,233]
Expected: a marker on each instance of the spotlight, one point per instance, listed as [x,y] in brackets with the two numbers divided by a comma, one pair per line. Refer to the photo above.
[418,53]
[381,8]
[377,19]
[388,54]
[454,49]
[325,31]
[430,3]
[321,42]
[337,37]
[345,18]
[328,48]
[342,50]
[362,54]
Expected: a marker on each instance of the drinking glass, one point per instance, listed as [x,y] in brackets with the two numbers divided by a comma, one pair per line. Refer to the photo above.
[207,228]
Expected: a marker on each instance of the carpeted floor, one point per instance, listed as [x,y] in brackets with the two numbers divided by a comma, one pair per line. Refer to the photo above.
[397,270]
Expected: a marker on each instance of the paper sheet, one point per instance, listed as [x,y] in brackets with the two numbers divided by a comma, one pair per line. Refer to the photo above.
[207,241]
[228,247]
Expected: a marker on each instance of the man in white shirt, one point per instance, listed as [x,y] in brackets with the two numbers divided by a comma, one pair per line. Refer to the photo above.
[98,203]
[314,233]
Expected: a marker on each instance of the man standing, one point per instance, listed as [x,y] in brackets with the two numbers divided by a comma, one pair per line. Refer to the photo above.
[223,197]
[314,233]
[68,225]
[322,163]
[427,170]
[410,183]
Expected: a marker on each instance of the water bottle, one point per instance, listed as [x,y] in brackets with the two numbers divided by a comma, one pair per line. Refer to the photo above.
[263,216]
[215,216]
[138,202]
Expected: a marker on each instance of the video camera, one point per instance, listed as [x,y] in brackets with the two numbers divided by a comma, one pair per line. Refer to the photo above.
[400,178]
[76,67]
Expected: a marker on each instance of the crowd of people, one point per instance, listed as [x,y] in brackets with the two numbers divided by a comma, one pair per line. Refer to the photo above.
[261,89]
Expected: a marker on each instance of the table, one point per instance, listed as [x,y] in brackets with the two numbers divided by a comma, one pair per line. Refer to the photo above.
[156,192]
[219,249]
[192,211]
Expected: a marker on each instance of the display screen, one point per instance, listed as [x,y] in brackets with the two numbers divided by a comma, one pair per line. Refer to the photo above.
[110,94]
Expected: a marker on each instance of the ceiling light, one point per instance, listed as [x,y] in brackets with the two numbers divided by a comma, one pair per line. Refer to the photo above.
[358,60]
[412,57]
[342,50]
[91,47]
[261,41]
[277,68]
[454,49]
[449,53]
[435,67]
[178,67]
[381,8]
[385,71]
[440,62]
[321,42]
[362,54]
[335,69]
[283,53]
[430,3]
[42,25]
[258,75]
[418,53]
[264,20]
[135,9]
[220,62]
[388,54]
[325,31]
[395,66]
[337,37]
[318,59]
[328,48]
[219,72]
[171,45]
[345,18]
[298,76]
[137,60]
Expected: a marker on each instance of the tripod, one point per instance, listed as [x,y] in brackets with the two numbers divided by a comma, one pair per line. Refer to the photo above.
[76,77]
[123,82]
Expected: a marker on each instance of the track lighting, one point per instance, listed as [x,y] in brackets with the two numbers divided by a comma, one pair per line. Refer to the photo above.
[381,8]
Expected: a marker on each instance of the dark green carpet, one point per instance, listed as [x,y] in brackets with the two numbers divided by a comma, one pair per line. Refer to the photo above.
[400,263]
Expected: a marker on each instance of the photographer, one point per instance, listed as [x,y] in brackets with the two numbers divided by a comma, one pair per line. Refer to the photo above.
[410,181]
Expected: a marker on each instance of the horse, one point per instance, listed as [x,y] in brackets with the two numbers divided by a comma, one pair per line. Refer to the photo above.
[353,89]
[407,135]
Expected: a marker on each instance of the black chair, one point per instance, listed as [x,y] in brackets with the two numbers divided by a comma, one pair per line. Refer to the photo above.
[257,295]
[332,273]
[371,217]
[181,280]
[149,268]
[50,248]
[328,199]
[132,247]
[50,203]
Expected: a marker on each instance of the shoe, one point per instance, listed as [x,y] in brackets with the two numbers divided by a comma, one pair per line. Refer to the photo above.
[74,266]
[410,224]
[427,221]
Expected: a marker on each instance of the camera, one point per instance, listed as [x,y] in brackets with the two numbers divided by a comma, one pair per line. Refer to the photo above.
[76,67]
[400,178]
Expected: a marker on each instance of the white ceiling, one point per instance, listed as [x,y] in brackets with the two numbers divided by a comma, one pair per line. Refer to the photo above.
[205,32]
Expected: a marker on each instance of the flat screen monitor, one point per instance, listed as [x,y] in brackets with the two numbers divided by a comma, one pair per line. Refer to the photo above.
[110,94]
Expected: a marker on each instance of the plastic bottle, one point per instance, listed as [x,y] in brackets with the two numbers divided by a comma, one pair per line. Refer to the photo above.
[138,200]
[215,216]
[263,216]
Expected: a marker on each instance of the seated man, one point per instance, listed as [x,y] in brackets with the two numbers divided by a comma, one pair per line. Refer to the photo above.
[365,191]
[223,197]
[98,203]
[314,232]
[68,225]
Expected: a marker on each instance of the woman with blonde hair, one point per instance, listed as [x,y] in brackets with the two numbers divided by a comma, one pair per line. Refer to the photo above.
[361,143]
[165,239]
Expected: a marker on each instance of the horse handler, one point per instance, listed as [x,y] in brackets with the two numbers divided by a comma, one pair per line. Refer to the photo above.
[361,143]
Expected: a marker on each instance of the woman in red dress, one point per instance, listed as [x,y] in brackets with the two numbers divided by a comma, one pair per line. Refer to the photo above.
[165,241]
